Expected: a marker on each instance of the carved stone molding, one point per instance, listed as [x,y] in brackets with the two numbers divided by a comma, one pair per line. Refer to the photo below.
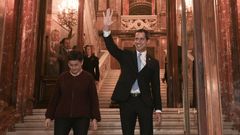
[134,22]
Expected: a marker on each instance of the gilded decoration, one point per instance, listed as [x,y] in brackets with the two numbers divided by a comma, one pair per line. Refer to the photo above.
[134,22]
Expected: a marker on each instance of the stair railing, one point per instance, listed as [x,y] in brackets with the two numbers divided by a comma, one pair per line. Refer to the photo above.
[104,66]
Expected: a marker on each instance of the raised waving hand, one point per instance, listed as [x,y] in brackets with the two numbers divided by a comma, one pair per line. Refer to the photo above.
[107,19]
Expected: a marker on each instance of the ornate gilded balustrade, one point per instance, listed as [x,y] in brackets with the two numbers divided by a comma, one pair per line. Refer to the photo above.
[134,22]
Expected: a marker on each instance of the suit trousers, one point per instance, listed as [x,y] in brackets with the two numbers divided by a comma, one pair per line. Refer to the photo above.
[62,126]
[135,109]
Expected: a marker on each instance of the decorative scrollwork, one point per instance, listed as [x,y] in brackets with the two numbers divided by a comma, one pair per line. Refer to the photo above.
[135,22]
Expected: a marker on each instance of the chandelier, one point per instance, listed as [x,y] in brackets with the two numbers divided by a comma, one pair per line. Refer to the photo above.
[68,14]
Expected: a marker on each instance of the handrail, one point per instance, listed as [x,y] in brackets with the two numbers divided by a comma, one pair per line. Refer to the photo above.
[104,67]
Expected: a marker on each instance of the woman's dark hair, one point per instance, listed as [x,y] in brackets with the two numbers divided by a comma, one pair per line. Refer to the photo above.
[86,46]
[75,55]
[147,34]
[63,40]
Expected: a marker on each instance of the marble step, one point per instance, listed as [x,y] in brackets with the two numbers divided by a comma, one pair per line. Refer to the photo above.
[106,120]
[116,111]
[104,125]
[165,124]
[105,132]
[114,131]
[107,97]
[117,132]
[109,83]
[109,101]
[117,116]
[111,118]
[110,90]
[165,110]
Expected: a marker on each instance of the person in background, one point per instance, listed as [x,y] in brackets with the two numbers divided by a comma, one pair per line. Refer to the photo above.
[64,49]
[91,62]
[138,88]
[74,102]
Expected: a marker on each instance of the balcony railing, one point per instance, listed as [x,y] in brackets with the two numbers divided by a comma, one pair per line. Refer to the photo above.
[140,3]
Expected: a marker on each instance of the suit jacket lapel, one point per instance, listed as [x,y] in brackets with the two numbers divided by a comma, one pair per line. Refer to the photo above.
[148,59]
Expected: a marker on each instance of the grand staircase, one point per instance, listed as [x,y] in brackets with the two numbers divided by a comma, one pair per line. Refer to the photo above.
[172,118]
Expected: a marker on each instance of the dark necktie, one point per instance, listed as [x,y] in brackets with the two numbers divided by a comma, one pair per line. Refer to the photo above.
[139,62]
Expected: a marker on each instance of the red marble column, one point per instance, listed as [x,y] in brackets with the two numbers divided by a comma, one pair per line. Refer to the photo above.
[235,49]
[26,55]
[80,25]
[207,70]
[236,107]
[8,53]
[224,55]
[172,52]
[229,58]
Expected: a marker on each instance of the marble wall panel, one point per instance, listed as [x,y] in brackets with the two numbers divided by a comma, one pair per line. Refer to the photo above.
[8,53]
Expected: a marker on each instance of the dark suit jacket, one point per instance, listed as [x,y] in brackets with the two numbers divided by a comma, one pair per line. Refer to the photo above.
[148,77]
[91,64]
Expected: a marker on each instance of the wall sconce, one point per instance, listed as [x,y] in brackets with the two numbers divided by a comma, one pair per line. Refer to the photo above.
[68,14]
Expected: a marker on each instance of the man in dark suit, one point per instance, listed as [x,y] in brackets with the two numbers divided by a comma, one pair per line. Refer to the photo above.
[138,89]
